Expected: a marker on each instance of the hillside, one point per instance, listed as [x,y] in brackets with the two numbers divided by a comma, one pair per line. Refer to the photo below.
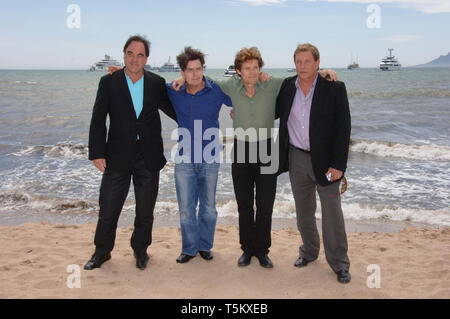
[442,61]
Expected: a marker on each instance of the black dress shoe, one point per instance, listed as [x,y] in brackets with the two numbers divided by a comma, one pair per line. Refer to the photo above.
[142,260]
[343,276]
[206,255]
[301,262]
[265,261]
[183,258]
[96,261]
[244,260]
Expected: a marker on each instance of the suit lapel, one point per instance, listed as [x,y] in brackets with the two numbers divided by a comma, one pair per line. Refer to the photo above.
[147,93]
[291,96]
[126,93]
[315,104]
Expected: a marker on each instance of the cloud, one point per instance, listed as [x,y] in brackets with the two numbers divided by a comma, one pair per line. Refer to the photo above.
[403,38]
[426,6]
[262,2]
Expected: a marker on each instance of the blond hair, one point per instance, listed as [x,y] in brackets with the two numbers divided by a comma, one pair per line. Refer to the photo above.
[308,47]
[245,55]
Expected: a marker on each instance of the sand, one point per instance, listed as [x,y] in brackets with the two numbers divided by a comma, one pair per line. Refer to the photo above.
[42,260]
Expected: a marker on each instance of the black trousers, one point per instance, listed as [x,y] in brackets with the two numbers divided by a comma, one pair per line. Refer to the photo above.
[251,186]
[113,193]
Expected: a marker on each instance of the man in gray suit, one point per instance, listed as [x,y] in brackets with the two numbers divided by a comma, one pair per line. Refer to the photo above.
[314,143]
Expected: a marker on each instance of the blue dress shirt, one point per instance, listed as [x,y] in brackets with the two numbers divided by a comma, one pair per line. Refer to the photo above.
[197,113]
[137,93]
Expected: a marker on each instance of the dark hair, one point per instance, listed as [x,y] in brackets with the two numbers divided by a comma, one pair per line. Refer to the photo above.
[190,54]
[141,39]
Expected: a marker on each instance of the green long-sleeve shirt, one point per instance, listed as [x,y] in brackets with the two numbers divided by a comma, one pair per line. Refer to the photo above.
[257,112]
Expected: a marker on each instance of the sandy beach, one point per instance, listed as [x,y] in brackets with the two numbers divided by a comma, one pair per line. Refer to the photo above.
[40,260]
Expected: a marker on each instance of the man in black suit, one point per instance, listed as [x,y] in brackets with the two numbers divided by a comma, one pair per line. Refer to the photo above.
[314,143]
[132,147]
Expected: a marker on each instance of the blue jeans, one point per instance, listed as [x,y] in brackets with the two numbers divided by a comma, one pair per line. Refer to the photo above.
[196,184]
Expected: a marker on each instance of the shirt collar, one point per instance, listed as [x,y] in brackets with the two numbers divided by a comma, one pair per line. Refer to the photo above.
[208,85]
[313,85]
[240,84]
[129,80]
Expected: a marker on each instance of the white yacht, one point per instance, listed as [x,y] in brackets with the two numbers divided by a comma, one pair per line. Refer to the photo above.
[104,63]
[230,71]
[390,63]
[169,67]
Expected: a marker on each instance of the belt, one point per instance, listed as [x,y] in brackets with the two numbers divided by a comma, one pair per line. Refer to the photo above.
[300,149]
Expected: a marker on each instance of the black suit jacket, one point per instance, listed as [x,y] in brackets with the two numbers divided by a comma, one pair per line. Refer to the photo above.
[329,126]
[119,148]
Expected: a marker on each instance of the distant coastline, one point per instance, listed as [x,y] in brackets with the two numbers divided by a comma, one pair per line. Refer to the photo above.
[441,62]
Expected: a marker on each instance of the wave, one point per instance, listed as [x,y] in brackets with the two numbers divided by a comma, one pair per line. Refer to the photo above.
[19,82]
[63,149]
[358,211]
[378,148]
[393,149]
[355,211]
[23,202]
[421,92]
[17,200]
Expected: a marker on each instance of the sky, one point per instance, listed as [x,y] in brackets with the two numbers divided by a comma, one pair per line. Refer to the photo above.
[74,34]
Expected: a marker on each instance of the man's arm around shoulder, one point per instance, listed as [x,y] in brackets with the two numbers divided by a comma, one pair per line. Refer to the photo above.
[282,96]
[164,103]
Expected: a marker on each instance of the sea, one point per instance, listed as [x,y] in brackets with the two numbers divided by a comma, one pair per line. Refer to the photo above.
[398,169]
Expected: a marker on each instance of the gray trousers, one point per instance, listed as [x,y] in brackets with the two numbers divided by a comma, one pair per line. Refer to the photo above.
[304,185]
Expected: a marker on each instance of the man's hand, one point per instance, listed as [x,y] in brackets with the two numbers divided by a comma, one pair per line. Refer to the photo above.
[335,174]
[231,114]
[263,77]
[177,84]
[112,69]
[100,163]
[330,75]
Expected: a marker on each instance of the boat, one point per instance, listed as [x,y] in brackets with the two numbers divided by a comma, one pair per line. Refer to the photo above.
[292,70]
[353,65]
[148,67]
[104,64]
[169,67]
[230,71]
[390,63]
